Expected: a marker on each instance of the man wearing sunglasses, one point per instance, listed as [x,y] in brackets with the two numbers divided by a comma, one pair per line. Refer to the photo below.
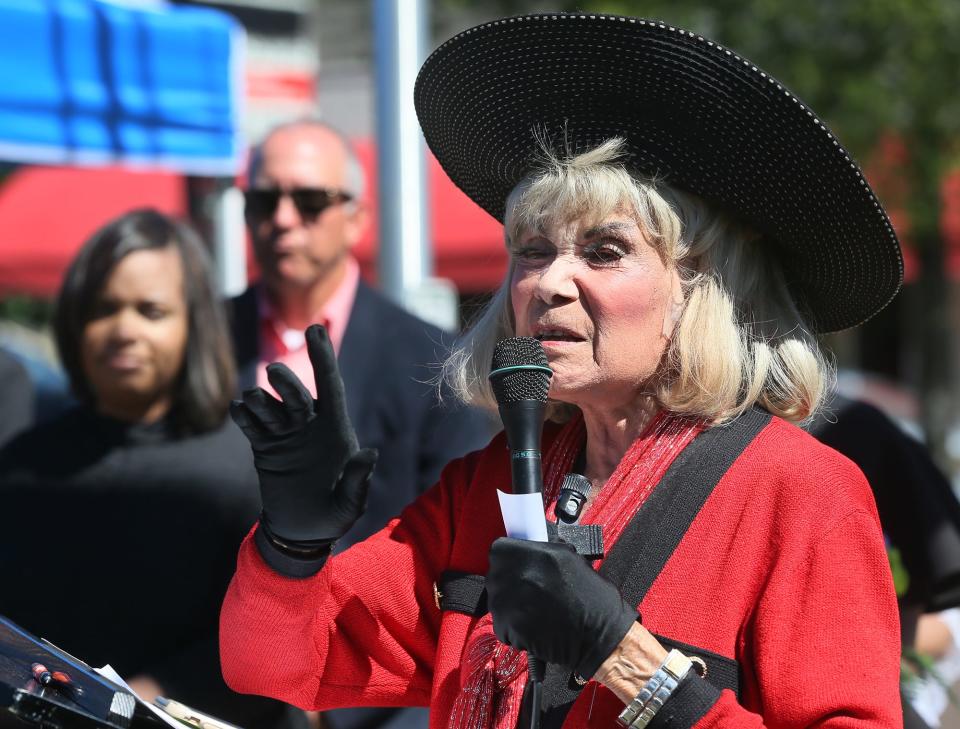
[305,212]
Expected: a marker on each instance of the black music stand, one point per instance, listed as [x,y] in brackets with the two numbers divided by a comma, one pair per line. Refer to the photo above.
[92,702]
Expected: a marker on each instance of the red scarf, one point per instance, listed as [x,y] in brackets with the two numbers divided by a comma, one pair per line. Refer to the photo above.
[492,675]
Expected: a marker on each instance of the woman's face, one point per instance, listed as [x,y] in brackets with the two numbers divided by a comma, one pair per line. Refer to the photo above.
[602,302]
[133,346]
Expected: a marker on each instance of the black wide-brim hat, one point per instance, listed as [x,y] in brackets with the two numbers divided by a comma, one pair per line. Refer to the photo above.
[692,112]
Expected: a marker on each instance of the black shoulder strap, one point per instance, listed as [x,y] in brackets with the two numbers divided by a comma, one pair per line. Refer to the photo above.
[650,538]
[653,534]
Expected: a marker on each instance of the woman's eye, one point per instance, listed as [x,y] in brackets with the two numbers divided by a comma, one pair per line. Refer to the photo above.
[530,254]
[604,253]
[152,312]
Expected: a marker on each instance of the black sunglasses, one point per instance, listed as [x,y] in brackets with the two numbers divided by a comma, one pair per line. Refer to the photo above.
[310,202]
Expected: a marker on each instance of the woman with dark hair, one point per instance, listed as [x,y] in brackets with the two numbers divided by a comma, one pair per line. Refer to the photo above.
[192,378]
[120,517]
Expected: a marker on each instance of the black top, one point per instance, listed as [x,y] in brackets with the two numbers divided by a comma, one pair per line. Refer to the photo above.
[117,543]
[918,509]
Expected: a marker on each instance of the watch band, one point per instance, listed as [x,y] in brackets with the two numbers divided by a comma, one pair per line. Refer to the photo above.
[656,691]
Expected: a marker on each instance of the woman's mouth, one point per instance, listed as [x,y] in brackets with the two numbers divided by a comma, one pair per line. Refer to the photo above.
[123,363]
[556,336]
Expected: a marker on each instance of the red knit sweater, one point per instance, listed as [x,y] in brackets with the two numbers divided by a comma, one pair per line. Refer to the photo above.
[783,570]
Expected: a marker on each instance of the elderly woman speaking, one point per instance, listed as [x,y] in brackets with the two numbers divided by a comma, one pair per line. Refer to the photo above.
[680,227]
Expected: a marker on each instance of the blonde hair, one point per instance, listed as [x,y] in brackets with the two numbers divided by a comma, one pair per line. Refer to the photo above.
[740,339]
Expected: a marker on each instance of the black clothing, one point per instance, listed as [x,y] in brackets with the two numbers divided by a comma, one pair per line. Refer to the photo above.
[388,361]
[16,397]
[117,543]
[918,509]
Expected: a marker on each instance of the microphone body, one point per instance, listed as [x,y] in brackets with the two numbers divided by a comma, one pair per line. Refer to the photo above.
[520,378]
[523,425]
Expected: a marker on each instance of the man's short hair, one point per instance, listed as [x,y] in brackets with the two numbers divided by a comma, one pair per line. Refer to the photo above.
[354,175]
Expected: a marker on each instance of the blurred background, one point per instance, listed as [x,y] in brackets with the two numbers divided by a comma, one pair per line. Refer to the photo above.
[107,105]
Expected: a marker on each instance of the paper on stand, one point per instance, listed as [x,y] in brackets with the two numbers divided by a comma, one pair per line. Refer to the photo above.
[108,673]
[523,516]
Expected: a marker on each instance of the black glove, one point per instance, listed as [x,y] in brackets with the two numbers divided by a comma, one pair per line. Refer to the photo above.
[313,475]
[546,599]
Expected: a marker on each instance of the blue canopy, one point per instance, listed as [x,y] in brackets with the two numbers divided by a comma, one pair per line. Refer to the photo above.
[101,81]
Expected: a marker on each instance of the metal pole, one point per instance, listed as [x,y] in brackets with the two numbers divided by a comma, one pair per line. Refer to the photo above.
[405,254]
[229,235]
[216,211]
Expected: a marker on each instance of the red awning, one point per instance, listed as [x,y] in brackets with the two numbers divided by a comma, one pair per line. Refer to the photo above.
[47,212]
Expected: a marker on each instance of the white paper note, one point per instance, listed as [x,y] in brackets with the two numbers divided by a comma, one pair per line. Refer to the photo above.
[523,516]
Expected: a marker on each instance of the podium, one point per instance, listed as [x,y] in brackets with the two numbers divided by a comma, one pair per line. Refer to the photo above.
[87,701]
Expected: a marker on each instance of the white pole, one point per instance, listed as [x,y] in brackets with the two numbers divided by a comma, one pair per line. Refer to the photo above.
[229,252]
[406,256]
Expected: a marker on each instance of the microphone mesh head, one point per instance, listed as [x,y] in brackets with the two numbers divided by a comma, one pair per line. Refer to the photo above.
[516,385]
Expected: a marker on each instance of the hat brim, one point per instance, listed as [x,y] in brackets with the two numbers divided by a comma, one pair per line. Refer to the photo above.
[692,113]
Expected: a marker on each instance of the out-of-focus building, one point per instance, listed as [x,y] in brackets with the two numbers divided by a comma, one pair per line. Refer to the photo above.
[282,60]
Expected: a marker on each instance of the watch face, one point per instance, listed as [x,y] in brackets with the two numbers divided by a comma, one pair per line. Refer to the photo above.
[677,664]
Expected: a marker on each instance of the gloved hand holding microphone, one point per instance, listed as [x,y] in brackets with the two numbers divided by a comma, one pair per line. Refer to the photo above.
[546,599]
[543,597]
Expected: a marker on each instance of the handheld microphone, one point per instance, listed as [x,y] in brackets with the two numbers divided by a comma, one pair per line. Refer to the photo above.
[520,378]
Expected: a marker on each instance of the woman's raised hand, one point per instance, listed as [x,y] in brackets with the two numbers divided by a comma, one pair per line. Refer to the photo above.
[313,475]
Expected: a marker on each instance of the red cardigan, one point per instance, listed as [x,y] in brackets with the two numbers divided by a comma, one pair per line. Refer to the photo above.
[783,570]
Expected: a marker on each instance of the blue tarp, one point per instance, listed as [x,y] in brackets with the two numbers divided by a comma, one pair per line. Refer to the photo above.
[99,81]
